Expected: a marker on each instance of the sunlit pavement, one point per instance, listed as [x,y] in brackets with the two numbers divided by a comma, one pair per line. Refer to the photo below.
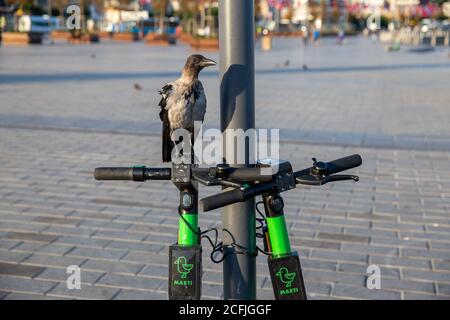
[67,109]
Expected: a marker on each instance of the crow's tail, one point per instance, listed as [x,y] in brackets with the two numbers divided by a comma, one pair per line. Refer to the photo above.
[167,143]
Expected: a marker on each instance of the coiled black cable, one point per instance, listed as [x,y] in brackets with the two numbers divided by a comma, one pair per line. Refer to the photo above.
[218,246]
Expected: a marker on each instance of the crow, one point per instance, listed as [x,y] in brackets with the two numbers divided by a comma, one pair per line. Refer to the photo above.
[183,101]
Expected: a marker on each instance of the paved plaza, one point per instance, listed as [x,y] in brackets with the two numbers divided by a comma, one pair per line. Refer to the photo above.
[65,110]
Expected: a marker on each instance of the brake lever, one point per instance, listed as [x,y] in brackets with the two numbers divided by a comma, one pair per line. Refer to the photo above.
[312,180]
[340,177]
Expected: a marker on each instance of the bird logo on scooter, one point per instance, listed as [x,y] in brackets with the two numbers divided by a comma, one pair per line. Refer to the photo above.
[285,276]
[183,267]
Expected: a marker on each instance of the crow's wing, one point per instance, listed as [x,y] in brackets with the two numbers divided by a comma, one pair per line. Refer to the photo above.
[200,102]
[167,143]
[164,92]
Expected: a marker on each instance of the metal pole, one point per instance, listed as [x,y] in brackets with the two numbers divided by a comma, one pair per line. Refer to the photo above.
[237,111]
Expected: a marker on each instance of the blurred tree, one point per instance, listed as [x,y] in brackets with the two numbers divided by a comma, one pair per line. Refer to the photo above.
[160,7]
[188,8]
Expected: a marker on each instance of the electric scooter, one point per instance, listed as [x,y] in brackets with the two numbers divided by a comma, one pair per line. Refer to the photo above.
[269,178]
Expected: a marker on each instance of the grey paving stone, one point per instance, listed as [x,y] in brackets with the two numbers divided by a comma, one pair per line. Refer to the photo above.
[425,235]
[363,293]
[64,230]
[86,292]
[442,265]
[107,254]
[31,236]
[426,275]
[339,256]
[315,244]
[342,237]
[140,257]
[3,294]
[401,262]
[93,215]
[121,235]
[408,285]
[45,260]
[12,257]
[371,232]
[314,288]
[28,246]
[60,275]
[372,217]
[439,245]
[135,246]
[370,249]
[444,289]
[345,221]
[265,295]
[19,270]
[104,225]
[112,267]
[417,296]
[14,284]
[403,242]
[128,282]
[82,241]
[26,296]
[9,243]
[216,291]
[51,249]
[362,269]
[317,264]
[335,277]
[126,294]
[52,220]
[418,253]
[163,271]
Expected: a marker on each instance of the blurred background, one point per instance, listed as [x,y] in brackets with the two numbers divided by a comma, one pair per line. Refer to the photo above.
[199,18]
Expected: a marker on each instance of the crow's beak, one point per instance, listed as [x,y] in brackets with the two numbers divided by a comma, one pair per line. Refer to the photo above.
[208,63]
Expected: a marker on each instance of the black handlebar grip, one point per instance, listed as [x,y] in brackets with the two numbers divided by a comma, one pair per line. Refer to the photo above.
[114,173]
[221,200]
[157,173]
[343,164]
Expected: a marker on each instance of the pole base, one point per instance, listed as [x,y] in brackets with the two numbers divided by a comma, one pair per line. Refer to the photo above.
[185,272]
[287,277]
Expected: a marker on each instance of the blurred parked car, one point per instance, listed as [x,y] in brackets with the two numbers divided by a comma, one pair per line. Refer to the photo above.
[38,24]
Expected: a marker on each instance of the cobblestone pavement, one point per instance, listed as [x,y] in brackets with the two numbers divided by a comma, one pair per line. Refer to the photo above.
[67,109]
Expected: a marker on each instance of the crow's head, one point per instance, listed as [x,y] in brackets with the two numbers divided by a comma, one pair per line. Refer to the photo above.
[195,63]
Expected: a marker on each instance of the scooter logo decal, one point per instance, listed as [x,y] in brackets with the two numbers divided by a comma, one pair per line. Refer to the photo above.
[183,267]
[285,276]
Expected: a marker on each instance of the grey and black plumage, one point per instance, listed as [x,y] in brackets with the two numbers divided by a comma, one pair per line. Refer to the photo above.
[183,101]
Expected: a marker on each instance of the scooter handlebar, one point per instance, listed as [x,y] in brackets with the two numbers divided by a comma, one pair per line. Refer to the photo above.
[221,200]
[343,164]
[110,173]
[132,173]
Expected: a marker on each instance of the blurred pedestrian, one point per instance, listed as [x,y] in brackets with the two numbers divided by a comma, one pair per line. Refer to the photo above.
[340,36]
[317,28]
[316,35]
[305,35]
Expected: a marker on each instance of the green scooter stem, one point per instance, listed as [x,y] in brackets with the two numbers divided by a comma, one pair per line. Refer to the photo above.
[186,234]
[278,235]
[276,225]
